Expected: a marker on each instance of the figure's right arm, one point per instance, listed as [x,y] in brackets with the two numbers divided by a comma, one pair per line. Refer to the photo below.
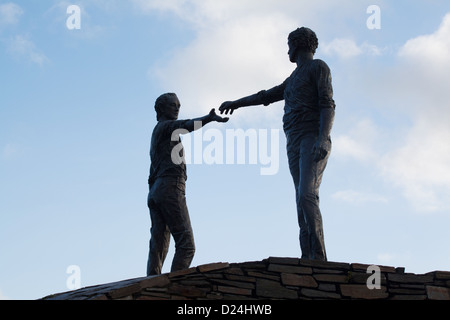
[261,98]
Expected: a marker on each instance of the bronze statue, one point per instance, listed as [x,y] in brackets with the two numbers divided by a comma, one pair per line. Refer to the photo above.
[166,199]
[307,122]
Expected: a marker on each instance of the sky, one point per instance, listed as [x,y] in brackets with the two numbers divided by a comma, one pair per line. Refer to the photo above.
[77,93]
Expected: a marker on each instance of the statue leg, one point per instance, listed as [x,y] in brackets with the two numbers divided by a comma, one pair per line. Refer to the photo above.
[311,173]
[159,238]
[178,221]
[293,152]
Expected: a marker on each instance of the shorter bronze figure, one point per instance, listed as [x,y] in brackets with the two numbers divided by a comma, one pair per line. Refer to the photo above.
[166,199]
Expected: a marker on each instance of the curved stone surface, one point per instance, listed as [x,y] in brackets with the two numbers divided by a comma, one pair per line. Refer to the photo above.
[274,278]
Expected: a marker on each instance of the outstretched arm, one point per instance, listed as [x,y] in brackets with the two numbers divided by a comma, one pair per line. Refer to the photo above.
[197,123]
[261,98]
[212,116]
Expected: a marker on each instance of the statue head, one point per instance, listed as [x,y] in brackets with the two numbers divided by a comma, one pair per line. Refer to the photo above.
[302,39]
[167,107]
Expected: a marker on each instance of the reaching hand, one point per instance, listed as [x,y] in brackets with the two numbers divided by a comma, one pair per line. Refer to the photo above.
[214,117]
[228,106]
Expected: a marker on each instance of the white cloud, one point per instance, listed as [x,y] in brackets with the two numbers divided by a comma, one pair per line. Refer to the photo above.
[241,55]
[358,198]
[413,156]
[347,48]
[19,46]
[421,165]
[175,6]
[430,50]
[240,48]
[203,14]
[9,13]
[227,62]
[23,48]
[360,142]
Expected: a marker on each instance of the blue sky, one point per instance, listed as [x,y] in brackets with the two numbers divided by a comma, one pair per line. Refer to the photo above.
[76,115]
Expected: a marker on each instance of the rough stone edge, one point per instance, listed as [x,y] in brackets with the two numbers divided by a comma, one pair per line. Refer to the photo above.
[437,284]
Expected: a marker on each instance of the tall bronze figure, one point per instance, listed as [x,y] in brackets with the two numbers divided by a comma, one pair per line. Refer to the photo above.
[307,122]
[166,199]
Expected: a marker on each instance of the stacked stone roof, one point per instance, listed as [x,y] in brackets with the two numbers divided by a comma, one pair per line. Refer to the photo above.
[274,278]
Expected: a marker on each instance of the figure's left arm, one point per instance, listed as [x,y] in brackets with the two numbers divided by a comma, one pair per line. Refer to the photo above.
[327,109]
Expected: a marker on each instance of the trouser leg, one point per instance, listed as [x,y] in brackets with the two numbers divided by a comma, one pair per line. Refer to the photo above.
[170,215]
[307,175]
[158,248]
[293,151]
[311,173]
[159,240]
[179,223]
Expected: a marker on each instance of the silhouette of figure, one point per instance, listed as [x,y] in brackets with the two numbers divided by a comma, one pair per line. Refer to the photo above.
[166,199]
[307,122]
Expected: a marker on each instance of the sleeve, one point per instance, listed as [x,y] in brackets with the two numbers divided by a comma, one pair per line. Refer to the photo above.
[272,95]
[324,86]
[182,126]
[172,129]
